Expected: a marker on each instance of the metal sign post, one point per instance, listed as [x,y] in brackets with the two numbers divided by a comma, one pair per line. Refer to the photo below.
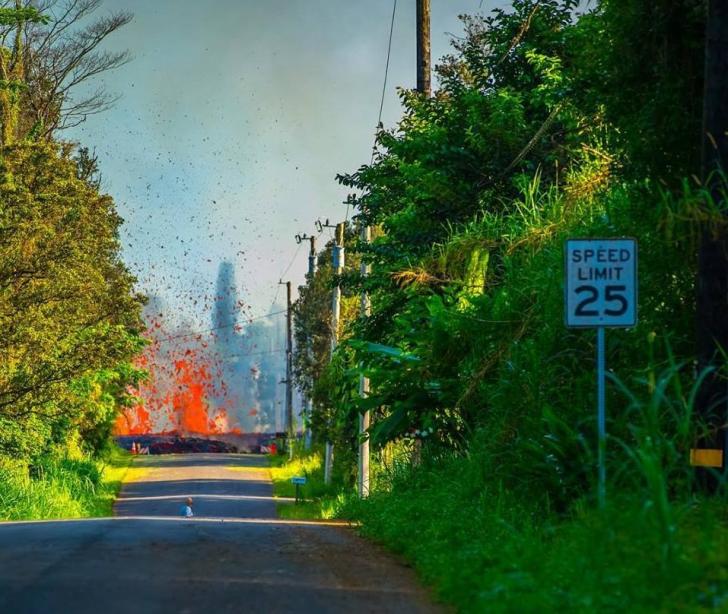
[601,292]
[298,481]
[601,417]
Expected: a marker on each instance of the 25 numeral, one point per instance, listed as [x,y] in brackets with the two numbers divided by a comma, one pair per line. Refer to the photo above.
[612,294]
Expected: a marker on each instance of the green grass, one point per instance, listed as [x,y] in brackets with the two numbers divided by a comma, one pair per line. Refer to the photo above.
[114,471]
[484,550]
[486,536]
[61,487]
[487,531]
[319,502]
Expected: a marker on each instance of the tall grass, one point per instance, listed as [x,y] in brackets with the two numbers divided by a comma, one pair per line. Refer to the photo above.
[491,540]
[661,429]
[488,544]
[56,488]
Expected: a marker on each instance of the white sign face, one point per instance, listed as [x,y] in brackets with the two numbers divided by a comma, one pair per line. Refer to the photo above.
[601,283]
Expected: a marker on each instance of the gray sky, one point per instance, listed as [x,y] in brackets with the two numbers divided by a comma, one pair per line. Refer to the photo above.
[234,119]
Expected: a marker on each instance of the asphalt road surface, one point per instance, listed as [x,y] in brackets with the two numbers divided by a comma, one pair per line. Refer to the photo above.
[234,556]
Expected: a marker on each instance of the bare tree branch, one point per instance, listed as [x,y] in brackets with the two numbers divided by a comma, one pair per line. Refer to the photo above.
[60,57]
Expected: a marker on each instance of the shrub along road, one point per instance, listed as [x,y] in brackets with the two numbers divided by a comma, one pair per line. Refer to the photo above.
[234,556]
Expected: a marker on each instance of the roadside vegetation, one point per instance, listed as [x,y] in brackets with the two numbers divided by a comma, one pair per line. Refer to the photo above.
[490,545]
[317,501]
[70,318]
[69,485]
[550,122]
[488,550]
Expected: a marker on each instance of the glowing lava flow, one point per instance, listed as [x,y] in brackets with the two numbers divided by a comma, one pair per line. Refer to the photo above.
[134,421]
[180,395]
[189,405]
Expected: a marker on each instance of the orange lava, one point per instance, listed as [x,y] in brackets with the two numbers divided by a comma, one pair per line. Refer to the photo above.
[178,396]
[188,402]
[133,421]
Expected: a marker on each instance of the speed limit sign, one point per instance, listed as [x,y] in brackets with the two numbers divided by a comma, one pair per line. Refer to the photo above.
[601,283]
[601,292]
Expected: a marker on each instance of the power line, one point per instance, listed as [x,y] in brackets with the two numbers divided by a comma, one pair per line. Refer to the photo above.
[209,330]
[384,88]
[283,274]
[386,68]
[255,354]
[298,249]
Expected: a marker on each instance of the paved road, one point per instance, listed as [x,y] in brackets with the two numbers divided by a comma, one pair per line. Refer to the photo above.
[234,556]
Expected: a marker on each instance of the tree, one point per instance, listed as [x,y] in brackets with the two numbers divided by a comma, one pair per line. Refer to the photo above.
[472,194]
[49,52]
[70,315]
[312,326]
[12,66]
[643,66]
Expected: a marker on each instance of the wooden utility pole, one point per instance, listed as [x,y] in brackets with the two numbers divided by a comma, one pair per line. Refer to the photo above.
[424,86]
[338,264]
[424,70]
[712,282]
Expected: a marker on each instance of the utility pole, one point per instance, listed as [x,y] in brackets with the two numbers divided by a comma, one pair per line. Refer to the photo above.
[424,70]
[712,282]
[338,264]
[364,418]
[309,348]
[424,86]
[289,368]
